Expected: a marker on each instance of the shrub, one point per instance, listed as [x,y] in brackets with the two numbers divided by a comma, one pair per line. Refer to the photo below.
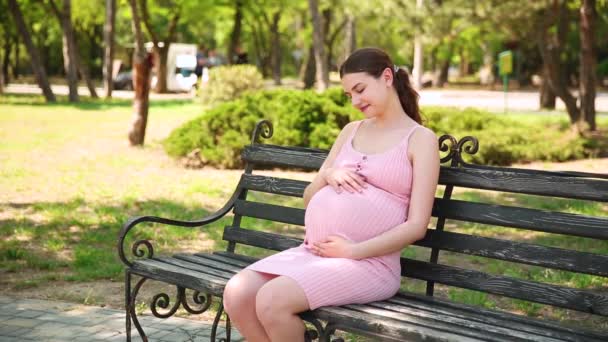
[305,118]
[229,82]
[302,118]
[506,140]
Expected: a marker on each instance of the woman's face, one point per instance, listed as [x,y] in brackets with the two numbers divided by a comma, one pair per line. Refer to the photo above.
[367,93]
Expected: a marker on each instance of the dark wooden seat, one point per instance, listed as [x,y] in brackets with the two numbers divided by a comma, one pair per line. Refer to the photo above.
[412,316]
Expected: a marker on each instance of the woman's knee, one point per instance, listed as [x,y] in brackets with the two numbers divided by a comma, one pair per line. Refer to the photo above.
[240,292]
[278,300]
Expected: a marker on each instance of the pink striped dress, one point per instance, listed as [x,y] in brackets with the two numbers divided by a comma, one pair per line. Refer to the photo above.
[355,216]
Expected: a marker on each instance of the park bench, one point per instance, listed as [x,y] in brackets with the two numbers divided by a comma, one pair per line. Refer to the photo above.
[409,315]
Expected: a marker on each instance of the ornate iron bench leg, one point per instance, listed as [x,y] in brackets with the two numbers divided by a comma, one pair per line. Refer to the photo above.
[127,304]
[130,307]
[216,323]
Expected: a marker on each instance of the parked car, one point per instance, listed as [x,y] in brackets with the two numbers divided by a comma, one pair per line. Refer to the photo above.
[123,81]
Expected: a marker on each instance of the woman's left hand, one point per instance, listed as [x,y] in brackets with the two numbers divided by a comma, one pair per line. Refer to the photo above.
[334,246]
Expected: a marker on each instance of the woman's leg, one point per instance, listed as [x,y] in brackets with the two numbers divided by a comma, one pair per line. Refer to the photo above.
[277,305]
[240,302]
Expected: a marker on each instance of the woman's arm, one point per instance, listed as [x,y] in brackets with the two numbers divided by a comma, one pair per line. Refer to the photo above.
[319,181]
[425,161]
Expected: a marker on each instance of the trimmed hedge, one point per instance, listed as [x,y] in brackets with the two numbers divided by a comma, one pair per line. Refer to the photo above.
[306,118]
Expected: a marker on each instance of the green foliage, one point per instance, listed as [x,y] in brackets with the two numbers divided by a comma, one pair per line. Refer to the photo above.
[302,118]
[229,82]
[305,118]
[507,140]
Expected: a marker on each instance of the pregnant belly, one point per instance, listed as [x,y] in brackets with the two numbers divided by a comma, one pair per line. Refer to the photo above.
[355,216]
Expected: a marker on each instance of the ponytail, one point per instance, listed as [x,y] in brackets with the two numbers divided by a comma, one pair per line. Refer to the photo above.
[408,97]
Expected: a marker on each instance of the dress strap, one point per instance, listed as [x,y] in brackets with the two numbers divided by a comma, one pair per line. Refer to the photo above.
[352,134]
[409,134]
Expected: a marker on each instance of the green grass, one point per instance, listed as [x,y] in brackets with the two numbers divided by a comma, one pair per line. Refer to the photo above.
[69,182]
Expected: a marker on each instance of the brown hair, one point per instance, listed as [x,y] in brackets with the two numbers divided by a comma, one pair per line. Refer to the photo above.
[373,61]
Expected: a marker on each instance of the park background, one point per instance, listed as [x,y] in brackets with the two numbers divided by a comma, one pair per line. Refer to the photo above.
[77,159]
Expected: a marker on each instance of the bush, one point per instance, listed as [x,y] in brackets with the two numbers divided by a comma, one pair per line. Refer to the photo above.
[305,118]
[507,140]
[302,118]
[229,82]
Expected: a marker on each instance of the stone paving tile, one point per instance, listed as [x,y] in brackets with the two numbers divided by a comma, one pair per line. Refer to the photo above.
[30,313]
[40,320]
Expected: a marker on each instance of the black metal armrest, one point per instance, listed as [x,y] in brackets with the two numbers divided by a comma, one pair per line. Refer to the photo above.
[137,250]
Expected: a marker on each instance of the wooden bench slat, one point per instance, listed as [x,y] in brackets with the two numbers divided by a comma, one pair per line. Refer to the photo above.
[304,158]
[461,325]
[266,240]
[544,183]
[520,181]
[275,185]
[270,212]
[533,219]
[183,262]
[205,263]
[555,295]
[161,271]
[519,252]
[225,259]
[387,329]
[244,258]
[507,319]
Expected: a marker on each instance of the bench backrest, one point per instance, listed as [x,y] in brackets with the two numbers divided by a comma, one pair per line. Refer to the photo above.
[466,223]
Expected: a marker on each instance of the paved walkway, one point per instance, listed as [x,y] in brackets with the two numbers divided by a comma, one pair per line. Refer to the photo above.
[42,320]
[492,100]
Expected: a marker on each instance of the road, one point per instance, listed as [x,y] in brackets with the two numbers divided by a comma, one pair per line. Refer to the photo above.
[491,100]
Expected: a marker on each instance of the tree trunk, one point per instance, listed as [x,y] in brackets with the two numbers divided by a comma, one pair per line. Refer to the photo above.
[418,54]
[161,66]
[141,81]
[550,43]
[588,65]
[547,96]
[70,63]
[83,69]
[161,70]
[33,52]
[6,59]
[108,41]
[235,35]
[276,48]
[319,51]
[310,71]
[486,74]
[16,65]
[350,36]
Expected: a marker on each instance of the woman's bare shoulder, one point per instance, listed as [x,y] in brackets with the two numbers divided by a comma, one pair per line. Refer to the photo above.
[425,141]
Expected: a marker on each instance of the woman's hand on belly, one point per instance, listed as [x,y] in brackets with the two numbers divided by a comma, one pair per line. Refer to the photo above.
[334,246]
[343,178]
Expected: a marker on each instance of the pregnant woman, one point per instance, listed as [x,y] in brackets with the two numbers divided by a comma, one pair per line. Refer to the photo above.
[371,198]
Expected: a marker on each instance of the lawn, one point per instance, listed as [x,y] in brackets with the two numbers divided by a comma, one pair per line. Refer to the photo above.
[69,181]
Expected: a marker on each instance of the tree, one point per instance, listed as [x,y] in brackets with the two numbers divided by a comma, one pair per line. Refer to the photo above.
[36,63]
[108,39]
[161,44]
[141,81]
[588,64]
[69,47]
[318,46]
[235,35]
[418,55]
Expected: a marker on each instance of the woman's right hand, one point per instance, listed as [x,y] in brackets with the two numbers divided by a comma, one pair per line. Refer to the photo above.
[341,178]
